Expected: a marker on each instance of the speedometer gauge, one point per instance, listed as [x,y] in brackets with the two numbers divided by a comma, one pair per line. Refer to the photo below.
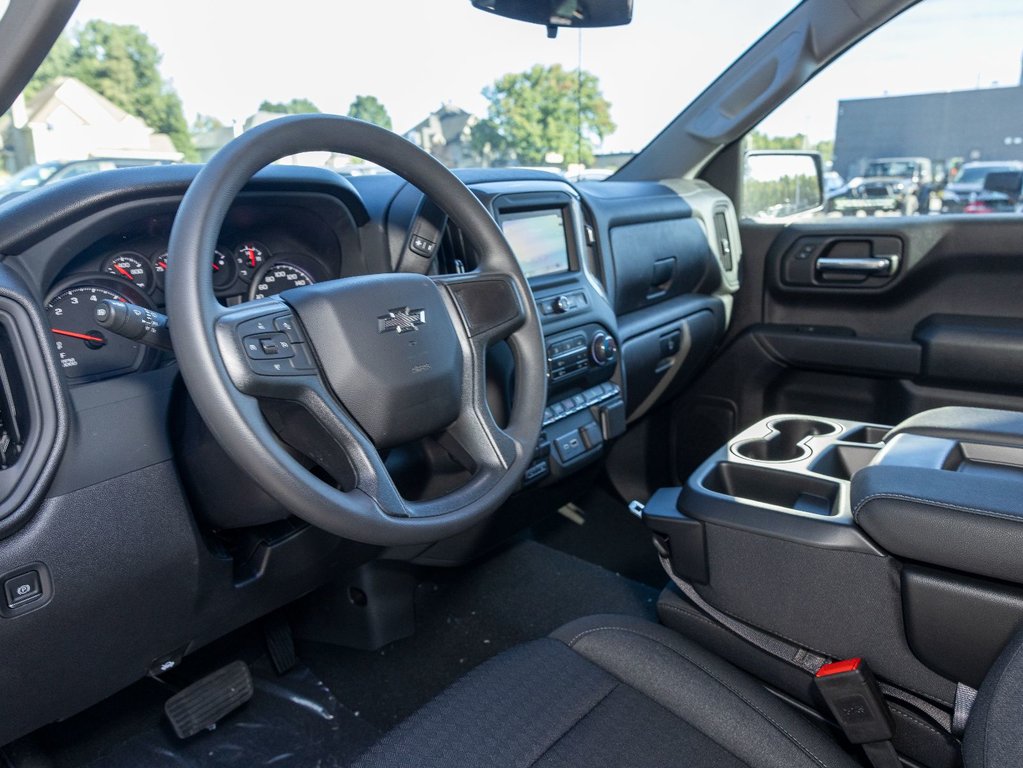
[85,350]
[277,278]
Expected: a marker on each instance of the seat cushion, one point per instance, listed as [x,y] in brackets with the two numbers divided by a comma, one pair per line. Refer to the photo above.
[994,732]
[608,691]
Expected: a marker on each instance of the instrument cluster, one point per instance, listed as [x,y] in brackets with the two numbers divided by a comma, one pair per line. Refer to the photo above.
[132,270]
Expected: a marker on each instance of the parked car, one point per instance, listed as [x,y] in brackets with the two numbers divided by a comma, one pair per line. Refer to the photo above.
[34,176]
[967,194]
[888,185]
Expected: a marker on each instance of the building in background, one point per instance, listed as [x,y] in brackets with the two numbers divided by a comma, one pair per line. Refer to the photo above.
[447,135]
[982,124]
[68,120]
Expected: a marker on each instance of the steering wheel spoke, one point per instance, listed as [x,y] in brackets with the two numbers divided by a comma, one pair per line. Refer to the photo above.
[490,305]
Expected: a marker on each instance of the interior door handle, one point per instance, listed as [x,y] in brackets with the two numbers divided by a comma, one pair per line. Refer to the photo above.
[880,265]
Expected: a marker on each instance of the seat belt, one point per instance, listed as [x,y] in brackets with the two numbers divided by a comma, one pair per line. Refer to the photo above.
[811,661]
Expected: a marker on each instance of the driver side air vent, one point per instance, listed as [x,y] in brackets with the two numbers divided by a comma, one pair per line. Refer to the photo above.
[455,255]
[33,413]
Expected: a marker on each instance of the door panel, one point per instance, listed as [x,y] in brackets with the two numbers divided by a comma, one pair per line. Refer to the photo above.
[943,327]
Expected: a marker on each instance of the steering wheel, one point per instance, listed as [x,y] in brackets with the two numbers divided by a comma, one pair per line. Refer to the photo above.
[339,371]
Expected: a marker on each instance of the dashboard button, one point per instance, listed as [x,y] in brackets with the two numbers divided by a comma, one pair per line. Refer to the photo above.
[569,446]
[22,589]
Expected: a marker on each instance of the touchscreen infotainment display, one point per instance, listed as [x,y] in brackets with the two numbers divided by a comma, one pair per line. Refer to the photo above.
[538,240]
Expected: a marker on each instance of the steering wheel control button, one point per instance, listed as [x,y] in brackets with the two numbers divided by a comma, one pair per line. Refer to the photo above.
[23,589]
[286,325]
[274,368]
[256,326]
[268,346]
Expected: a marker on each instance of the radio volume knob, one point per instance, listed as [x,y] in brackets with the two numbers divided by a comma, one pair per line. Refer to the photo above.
[603,348]
[561,305]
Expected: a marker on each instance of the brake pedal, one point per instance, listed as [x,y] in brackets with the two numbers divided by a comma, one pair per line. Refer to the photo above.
[200,705]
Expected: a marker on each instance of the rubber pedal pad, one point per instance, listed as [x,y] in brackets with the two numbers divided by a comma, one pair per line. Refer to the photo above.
[206,701]
[280,644]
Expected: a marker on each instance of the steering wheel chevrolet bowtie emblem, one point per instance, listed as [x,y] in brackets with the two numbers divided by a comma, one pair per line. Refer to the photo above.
[401,319]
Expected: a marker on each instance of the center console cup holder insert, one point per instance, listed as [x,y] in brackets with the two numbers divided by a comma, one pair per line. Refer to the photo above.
[844,461]
[773,486]
[786,440]
[867,434]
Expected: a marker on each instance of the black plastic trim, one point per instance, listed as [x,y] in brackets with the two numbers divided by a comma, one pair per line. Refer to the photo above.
[45,396]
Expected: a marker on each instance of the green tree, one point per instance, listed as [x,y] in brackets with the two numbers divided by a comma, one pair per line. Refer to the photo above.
[370,109]
[758,140]
[121,63]
[544,110]
[293,107]
[205,124]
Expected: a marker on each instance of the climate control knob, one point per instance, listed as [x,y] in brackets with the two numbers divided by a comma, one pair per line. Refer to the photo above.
[561,305]
[603,348]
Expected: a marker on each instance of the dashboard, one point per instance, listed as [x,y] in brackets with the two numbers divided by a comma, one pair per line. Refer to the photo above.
[114,490]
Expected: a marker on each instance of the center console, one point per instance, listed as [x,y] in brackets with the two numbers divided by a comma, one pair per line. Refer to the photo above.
[902,545]
[544,225]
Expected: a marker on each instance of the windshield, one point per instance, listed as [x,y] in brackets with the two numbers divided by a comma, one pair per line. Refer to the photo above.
[177,82]
[32,176]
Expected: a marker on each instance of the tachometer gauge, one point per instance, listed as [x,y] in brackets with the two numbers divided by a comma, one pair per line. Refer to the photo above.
[249,257]
[224,272]
[85,350]
[278,277]
[130,266]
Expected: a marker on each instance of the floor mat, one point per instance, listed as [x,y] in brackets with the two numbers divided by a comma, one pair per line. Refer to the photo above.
[465,616]
[291,720]
[609,536]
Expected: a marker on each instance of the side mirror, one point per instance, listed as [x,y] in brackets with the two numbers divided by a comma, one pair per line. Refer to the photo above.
[555,14]
[778,184]
[1007,183]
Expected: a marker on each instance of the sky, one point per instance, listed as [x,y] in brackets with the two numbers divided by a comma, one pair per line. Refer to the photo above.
[226,56]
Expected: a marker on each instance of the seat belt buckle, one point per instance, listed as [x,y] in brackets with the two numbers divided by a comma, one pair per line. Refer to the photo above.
[852,694]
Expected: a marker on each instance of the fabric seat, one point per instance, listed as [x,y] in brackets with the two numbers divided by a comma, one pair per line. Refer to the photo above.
[607,691]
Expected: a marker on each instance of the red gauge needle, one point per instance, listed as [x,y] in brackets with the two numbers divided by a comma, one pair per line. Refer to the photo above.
[82,336]
[215,267]
[161,264]
[252,256]
[123,271]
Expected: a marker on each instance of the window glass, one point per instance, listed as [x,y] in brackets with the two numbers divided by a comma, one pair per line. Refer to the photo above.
[922,118]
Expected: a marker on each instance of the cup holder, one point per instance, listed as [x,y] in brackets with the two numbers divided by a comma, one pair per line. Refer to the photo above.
[786,441]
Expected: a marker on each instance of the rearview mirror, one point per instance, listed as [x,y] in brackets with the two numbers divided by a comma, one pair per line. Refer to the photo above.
[781,184]
[555,14]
